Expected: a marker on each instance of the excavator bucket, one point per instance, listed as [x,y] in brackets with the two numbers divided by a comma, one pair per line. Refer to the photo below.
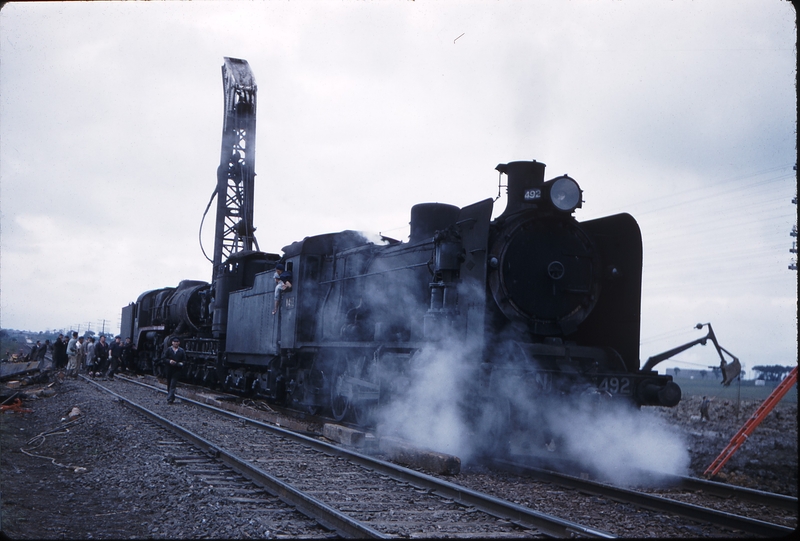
[730,371]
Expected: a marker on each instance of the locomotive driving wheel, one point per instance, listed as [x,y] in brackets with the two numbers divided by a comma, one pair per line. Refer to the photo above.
[341,392]
[313,409]
[364,406]
[352,383]
[340,402]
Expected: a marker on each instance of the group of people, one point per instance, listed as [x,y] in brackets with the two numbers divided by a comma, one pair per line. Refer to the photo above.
[98,358]
[86,355]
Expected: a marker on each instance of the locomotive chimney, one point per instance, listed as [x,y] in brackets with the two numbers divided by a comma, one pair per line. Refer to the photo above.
[428,218]
[524,185]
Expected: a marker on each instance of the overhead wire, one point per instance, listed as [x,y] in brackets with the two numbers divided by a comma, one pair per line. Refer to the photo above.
[726,234]
[673,333]
[729,193]
[726,188]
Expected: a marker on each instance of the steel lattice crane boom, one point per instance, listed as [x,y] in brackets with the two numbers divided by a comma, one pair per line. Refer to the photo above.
[236,174]
[234,232]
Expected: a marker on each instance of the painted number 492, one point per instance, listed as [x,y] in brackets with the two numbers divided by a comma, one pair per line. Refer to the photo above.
[615,385]
[530,195]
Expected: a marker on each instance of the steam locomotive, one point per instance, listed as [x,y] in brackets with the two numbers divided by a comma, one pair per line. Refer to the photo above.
[533,292]
[532,297]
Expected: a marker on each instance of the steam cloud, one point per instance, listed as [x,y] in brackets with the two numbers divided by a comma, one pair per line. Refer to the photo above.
[615,441]
[439,408]
[431,409]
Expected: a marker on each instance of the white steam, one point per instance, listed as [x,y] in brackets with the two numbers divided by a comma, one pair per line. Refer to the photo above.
[439,408]
[615,441]
[429,411]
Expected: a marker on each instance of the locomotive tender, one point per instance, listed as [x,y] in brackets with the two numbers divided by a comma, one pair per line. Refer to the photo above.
[532,294]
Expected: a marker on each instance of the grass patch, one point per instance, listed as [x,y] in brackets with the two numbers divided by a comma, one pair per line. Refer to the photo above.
[748,390]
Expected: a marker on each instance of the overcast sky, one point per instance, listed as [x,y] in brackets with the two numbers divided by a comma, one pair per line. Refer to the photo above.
[680,113]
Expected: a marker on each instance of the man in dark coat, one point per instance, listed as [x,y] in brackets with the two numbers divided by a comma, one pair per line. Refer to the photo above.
[704,416]
[129,355]
[173,363]
[42,351]
[34,354]
[116,353]
[60,352]
[100,356]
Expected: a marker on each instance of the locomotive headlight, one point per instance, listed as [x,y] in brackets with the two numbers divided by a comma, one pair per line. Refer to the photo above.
[565,194]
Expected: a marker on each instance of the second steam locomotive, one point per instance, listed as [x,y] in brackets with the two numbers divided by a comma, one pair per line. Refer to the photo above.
[532,296]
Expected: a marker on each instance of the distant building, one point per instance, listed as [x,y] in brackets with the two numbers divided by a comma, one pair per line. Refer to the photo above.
[686,373]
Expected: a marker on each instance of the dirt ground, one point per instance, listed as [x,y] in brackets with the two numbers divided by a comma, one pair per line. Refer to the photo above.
[92,478]
[766,461]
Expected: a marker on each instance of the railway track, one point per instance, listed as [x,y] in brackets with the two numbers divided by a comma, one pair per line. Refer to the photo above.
[767,514]
[237,490]
[352,494]
[687,507]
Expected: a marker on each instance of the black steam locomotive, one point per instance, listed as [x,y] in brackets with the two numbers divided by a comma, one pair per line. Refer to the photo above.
[532,297]
[533,292]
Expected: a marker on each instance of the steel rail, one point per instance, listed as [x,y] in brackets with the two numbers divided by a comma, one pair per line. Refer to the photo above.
[649,501]
[722,490]
[518,514]
[330,518]
[771,499]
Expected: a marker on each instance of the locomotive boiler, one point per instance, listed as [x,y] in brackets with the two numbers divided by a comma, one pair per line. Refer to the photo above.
[532,296]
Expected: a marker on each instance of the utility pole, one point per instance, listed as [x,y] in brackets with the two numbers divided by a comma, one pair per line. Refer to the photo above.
[793,233]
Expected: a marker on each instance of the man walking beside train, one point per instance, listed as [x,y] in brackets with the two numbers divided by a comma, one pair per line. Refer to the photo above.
[173,363]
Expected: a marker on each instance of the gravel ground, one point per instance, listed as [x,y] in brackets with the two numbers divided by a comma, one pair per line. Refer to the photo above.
[94,478]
